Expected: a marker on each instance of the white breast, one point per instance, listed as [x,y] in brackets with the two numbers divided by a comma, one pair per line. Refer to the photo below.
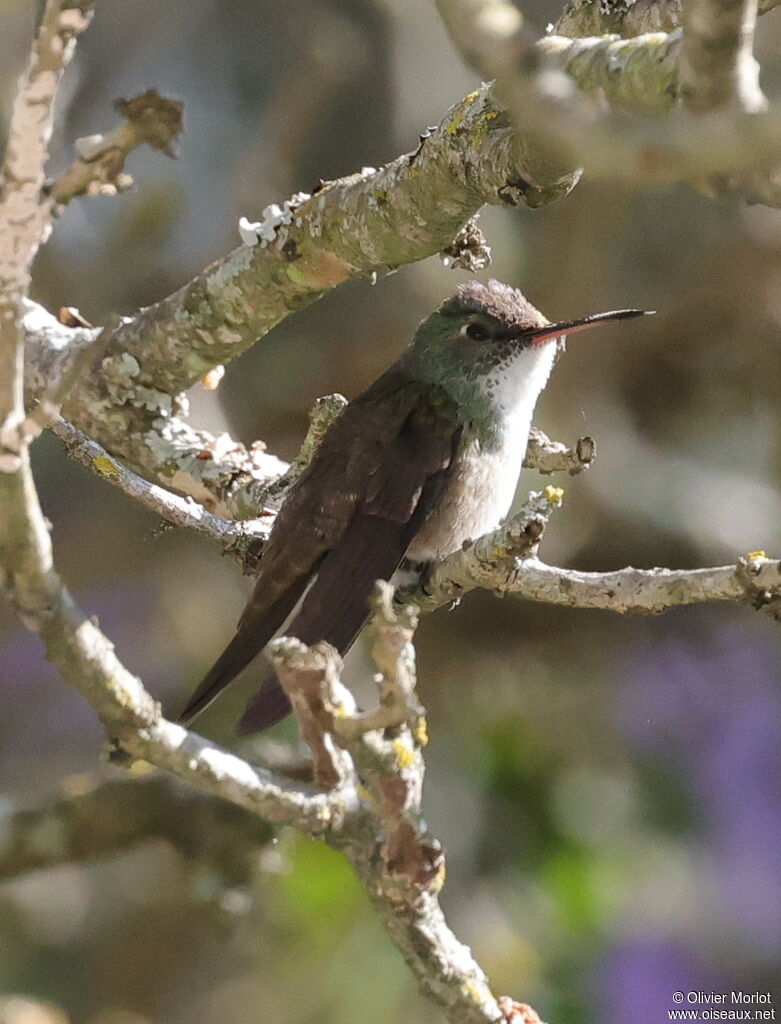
[484,480]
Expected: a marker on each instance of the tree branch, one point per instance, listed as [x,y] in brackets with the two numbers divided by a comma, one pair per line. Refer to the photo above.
[400,865]
[243,538]
[490,561]
[548,456]
[150,119]
[625,18]
[731,153]
[74,643]
[130,401]
[717,67]
[754,580]
[110,817]
[222,467]
[24,214]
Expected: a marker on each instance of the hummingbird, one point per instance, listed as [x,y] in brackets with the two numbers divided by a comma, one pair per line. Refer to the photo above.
[424,460]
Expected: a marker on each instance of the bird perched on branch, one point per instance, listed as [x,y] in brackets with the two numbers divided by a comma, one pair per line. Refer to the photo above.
[428,457]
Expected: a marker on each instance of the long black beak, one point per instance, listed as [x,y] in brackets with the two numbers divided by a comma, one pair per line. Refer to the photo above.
[541,334]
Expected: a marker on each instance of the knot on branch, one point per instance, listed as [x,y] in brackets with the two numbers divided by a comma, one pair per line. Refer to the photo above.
[760,578]
[156,120]
[520,536]
[548,456]
[150,119]
[469,250]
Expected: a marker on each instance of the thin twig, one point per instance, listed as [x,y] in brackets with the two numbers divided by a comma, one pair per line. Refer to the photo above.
[97,818]
[173,508]
[548,456]
[25,215]
[754,580]
[150,119]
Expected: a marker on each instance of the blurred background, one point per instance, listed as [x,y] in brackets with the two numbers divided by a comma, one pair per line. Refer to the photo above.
[606,787]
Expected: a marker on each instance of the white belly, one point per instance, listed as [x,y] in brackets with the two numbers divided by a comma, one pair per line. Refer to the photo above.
[477,499]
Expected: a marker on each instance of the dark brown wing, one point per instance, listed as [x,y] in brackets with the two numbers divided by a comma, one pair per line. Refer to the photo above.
[348,521]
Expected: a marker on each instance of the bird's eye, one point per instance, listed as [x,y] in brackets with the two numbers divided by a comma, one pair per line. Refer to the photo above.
[474,331]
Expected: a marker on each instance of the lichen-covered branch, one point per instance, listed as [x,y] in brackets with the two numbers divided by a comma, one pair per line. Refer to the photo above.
[104,818]
[24,213]
[220,472]
[73,642]
[394,656]
[625,18]
[244,538]
[734,152]
[492,559]
[548,456]
[410,209]
[130,400]
[754,580]
[322,414]
[400,865]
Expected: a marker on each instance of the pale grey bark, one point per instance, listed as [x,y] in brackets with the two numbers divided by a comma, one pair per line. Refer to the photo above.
[626,18]
[382,837]
[401,865]
[505,561]
[729,152]
[718,68]
[98,169]
[129,401]
[108,817]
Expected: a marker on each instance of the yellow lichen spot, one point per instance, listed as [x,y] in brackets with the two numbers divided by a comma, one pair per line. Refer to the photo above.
[404,755]
[104,465]
[438,880]
[455,124]
[755,554]
[477,991]
[460,114]
[364,793]
[555,495]
[420,732]
[295,275]
[490,115]
[141,767]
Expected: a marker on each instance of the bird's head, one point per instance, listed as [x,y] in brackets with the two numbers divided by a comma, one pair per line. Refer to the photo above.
[485,329]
